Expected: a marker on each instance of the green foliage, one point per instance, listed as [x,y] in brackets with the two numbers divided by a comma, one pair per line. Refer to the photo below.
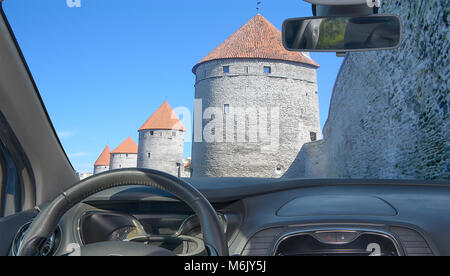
[332,33]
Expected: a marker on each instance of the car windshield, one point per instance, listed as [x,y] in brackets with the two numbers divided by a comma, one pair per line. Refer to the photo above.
[207,89]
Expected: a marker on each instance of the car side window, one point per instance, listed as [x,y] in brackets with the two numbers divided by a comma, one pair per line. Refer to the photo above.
[10,189]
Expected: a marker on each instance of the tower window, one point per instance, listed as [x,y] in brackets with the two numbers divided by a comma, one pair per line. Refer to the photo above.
[279,169]
[267,70]
[246,70]
[152,133]
[226,69]
[149,155]
[226,108]
[313,136]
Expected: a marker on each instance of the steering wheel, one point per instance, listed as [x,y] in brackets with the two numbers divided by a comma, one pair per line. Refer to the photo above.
[47,220]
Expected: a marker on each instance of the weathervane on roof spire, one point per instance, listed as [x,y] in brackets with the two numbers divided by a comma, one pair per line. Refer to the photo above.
[258,6]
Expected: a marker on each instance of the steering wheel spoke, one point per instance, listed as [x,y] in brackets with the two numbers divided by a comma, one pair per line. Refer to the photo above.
[45,223]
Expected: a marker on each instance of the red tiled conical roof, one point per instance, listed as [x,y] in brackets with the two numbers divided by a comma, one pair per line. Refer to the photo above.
[104,158]
[163,118]
[256,39]
[128,146]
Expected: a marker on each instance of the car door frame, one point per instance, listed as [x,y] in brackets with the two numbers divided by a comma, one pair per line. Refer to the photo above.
[30,128]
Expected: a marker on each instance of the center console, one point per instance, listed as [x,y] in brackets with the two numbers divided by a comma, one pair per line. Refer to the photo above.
[337,243]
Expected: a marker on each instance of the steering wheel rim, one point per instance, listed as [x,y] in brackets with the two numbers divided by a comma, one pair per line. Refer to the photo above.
[47,220]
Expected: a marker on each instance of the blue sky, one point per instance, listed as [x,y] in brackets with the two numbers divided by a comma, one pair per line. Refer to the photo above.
[104,68]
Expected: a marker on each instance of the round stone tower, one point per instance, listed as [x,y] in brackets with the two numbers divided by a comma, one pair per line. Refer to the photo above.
[102,163]
[256,105]
[161,142]
[124,156]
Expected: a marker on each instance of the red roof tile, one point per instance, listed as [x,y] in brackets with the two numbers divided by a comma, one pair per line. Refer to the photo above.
[128,146]
[103,160]
[163,118]
[256,39]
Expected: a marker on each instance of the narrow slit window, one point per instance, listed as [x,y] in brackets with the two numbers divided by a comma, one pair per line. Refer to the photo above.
[226,108]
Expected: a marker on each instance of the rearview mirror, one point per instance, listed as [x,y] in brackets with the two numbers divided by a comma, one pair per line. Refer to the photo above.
[342,34]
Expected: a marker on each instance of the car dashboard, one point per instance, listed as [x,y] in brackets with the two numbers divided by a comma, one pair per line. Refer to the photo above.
[272,218]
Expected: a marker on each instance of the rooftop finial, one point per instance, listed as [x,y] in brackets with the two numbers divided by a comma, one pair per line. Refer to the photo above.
[258,6]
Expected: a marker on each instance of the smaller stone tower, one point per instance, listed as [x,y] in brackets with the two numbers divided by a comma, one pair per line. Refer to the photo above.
[124,156]
[102,163]
[161,142]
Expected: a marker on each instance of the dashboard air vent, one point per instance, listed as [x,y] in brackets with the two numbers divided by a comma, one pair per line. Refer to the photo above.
[413,243]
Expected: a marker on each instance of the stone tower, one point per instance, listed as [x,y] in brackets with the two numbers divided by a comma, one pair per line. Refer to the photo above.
[102,163]
[161,142]
[124,156]
[256,105]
